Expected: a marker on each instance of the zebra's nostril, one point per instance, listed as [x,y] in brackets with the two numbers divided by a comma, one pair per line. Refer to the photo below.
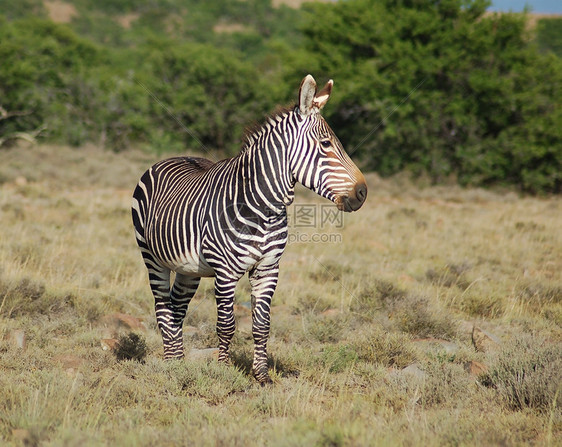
[361,192]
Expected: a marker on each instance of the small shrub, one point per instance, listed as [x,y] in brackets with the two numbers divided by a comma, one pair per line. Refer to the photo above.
[449,276]
[21,298]
[338,358]
[242,358]
[90,309]
[388,292]
[481,304]
[330,271]
[211,381]
[536,296]
[205,337]
[333,436]
[387,349]
[445,381]
[376,295]
[527,374]
[416,316]
[402,212]
[201,313]
[283,366]
[397,391]
[311,304]
[553,313]
[366,301]
[431,385]
[131,346]
[528,226]
[326,329]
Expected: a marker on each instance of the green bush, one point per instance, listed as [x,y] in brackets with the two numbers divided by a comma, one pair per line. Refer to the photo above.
[439,88]
[326,329]
[374,296]
[39,62]
[170,96]
[445,382]
[209,94]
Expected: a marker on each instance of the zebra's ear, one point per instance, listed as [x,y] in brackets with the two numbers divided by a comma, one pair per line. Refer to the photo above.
[323,95]
[307,95]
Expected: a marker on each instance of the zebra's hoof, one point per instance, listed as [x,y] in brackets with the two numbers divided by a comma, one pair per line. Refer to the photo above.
[266,382]
[263,378]
[173,357]
[225,360]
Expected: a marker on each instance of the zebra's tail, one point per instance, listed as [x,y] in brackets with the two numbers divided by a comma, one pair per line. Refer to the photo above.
[141,198]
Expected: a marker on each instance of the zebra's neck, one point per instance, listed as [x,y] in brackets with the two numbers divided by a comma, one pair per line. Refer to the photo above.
[264,168]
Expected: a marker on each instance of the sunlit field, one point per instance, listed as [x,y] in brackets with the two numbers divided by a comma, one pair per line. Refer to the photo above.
[430,317]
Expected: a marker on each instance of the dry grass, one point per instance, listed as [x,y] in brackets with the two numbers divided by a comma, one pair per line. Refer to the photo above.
[346,356]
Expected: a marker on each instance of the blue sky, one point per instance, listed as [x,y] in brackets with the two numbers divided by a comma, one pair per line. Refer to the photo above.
[542,6]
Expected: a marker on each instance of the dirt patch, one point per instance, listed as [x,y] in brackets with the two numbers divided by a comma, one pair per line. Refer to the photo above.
[532,18]
[60,12]
[293,3]
[535,17]
[229,28]
[126,20]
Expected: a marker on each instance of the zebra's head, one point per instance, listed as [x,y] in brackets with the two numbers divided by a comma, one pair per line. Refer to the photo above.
[319,161]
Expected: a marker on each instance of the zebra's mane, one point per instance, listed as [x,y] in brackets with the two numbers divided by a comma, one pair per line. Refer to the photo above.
[253,131]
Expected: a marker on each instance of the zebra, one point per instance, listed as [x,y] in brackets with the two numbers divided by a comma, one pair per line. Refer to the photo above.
[199,219]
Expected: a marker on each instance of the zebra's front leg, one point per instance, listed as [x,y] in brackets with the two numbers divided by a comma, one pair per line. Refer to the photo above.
[224,295]
[263,286]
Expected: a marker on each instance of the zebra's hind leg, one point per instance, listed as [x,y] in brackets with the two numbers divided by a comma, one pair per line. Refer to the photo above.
[263,284]
[224,295]
[159,278]
[180,296]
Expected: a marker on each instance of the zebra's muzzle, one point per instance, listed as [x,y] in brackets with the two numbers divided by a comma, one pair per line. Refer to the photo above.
[353,202]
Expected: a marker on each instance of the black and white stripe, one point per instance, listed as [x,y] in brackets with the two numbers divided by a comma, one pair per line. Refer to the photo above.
[199,218]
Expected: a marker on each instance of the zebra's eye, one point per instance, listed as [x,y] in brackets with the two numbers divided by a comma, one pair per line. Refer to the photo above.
[326,144]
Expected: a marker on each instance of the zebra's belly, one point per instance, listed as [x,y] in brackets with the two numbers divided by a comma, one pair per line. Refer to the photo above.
[194,267]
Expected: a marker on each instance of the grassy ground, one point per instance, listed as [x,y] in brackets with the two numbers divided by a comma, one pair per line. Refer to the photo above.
[432,317]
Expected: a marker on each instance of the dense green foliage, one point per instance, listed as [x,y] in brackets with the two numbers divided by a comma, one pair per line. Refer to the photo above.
[120,86]
[549,35]
[434,87]
[40,63]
